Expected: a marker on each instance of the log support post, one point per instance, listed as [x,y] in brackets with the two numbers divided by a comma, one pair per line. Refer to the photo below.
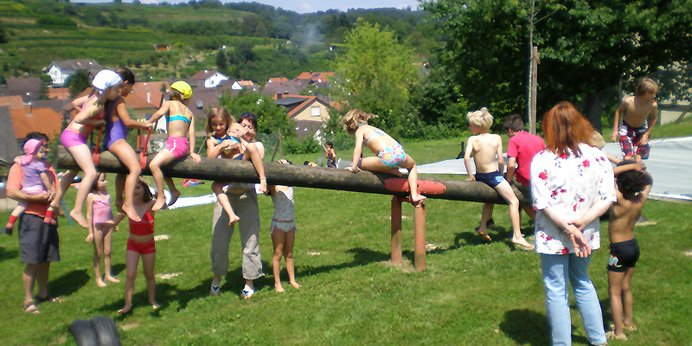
[418,233]
[396,230]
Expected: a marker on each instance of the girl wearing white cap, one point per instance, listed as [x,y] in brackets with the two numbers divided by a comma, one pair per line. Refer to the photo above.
[106,86]
[181,127]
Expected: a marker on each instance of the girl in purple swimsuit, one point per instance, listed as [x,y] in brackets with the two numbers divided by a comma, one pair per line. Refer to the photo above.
[118,121]
[106,86]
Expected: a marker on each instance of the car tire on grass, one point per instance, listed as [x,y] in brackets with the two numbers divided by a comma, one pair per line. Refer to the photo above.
[84,333]
[106,331]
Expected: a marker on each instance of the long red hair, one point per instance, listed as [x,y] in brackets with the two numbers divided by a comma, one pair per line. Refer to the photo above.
[564,128]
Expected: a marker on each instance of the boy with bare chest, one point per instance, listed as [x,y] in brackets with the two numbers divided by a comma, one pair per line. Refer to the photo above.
[639,115]
[486,150]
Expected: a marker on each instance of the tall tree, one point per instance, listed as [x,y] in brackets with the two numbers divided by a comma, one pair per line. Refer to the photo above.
[78,81]
[374,73]
[270,116]
[586,48]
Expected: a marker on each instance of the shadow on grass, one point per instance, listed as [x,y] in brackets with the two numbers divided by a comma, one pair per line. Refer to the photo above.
[69,283]
[8,254]
[529,327]
[361,257]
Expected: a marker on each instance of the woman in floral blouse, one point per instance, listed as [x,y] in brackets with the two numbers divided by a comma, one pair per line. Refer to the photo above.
[571,186]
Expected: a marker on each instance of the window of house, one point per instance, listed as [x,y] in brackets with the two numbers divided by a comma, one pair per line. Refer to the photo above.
[315,111]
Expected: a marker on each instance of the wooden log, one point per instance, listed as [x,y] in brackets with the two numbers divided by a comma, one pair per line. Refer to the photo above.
[297,175]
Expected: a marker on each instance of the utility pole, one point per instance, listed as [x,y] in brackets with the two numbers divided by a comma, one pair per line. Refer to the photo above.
[533,73]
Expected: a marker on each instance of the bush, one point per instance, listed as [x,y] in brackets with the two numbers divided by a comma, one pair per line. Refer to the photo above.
[307,145]
[56,21]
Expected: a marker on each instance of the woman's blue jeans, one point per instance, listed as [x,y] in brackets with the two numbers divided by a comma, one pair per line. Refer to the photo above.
[557,269]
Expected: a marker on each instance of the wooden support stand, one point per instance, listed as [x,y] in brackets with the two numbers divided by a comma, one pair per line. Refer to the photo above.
[418,233]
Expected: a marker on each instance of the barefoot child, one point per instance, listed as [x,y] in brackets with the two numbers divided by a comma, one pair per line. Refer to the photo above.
[486,150]
[639,115]
[118,121]
[106,85]
[225,141]
[140,244]
[100,219]
[633,188]
[180,143]
[283,231]
[37,179]
[390,154]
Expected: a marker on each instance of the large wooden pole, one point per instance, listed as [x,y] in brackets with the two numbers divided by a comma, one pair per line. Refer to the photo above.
[297,175]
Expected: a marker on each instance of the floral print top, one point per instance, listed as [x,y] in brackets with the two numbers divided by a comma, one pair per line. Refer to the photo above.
[570,185]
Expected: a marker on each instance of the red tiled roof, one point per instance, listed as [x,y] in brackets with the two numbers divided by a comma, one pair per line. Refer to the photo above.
[150,91]
[45,120]
[59,93]
[14,102]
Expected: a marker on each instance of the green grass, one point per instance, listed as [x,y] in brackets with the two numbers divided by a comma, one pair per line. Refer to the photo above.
[471,293]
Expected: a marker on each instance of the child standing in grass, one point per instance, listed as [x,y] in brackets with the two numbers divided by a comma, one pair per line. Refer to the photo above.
[390,154]
[283,231]
[37,179]
[100,217]
[106,85]
[180,143]
[633,187]
[140,244]
[486,149]
[225,141]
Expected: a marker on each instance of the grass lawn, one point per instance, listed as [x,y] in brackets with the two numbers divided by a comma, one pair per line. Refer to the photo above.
[471,292]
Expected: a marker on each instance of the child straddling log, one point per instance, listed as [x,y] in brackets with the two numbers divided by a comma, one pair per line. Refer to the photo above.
[118,121]
[486,150]
[225,141]
[180,143]
[639,115]
[633,187]
[100,218]
[140,244]
[390,154]
[106,85]
[37,180]
[283,231]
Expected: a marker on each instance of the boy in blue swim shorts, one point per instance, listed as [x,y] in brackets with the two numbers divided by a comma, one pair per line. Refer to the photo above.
[486,150]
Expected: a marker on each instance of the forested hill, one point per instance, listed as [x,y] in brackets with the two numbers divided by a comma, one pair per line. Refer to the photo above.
[245,40]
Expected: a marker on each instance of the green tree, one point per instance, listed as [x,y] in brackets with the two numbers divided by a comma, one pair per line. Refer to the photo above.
[586,48]
[221,60]
[374,73]
[78,81]
[270,116]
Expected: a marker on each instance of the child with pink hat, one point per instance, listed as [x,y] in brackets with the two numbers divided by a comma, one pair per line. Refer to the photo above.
[36,179]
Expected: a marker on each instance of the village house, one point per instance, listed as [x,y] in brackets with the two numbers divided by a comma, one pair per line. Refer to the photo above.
[310,113]
[28,88]
[60,71]
[207,79]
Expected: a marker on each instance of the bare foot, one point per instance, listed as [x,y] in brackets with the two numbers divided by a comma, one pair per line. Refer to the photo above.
[160,202]
[174,196]
[295,284]
[112,278]
[77,216]
[131,213]
[484,235]
[522,244]
[125,309]
[279,288]
[233,218]
[417,198]
[100,283]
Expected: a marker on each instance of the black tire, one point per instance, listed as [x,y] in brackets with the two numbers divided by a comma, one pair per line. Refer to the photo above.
[84,333]
[106,331]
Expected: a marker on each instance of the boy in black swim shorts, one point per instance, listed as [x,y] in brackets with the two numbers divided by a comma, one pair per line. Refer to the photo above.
[633,186]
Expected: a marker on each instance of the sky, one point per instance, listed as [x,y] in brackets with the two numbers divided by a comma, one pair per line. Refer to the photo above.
[306,6]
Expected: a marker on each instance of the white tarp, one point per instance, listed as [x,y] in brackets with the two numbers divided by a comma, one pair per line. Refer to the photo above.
[668,163]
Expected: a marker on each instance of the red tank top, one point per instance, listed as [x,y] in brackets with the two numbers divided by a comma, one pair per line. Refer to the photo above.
[143,227]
